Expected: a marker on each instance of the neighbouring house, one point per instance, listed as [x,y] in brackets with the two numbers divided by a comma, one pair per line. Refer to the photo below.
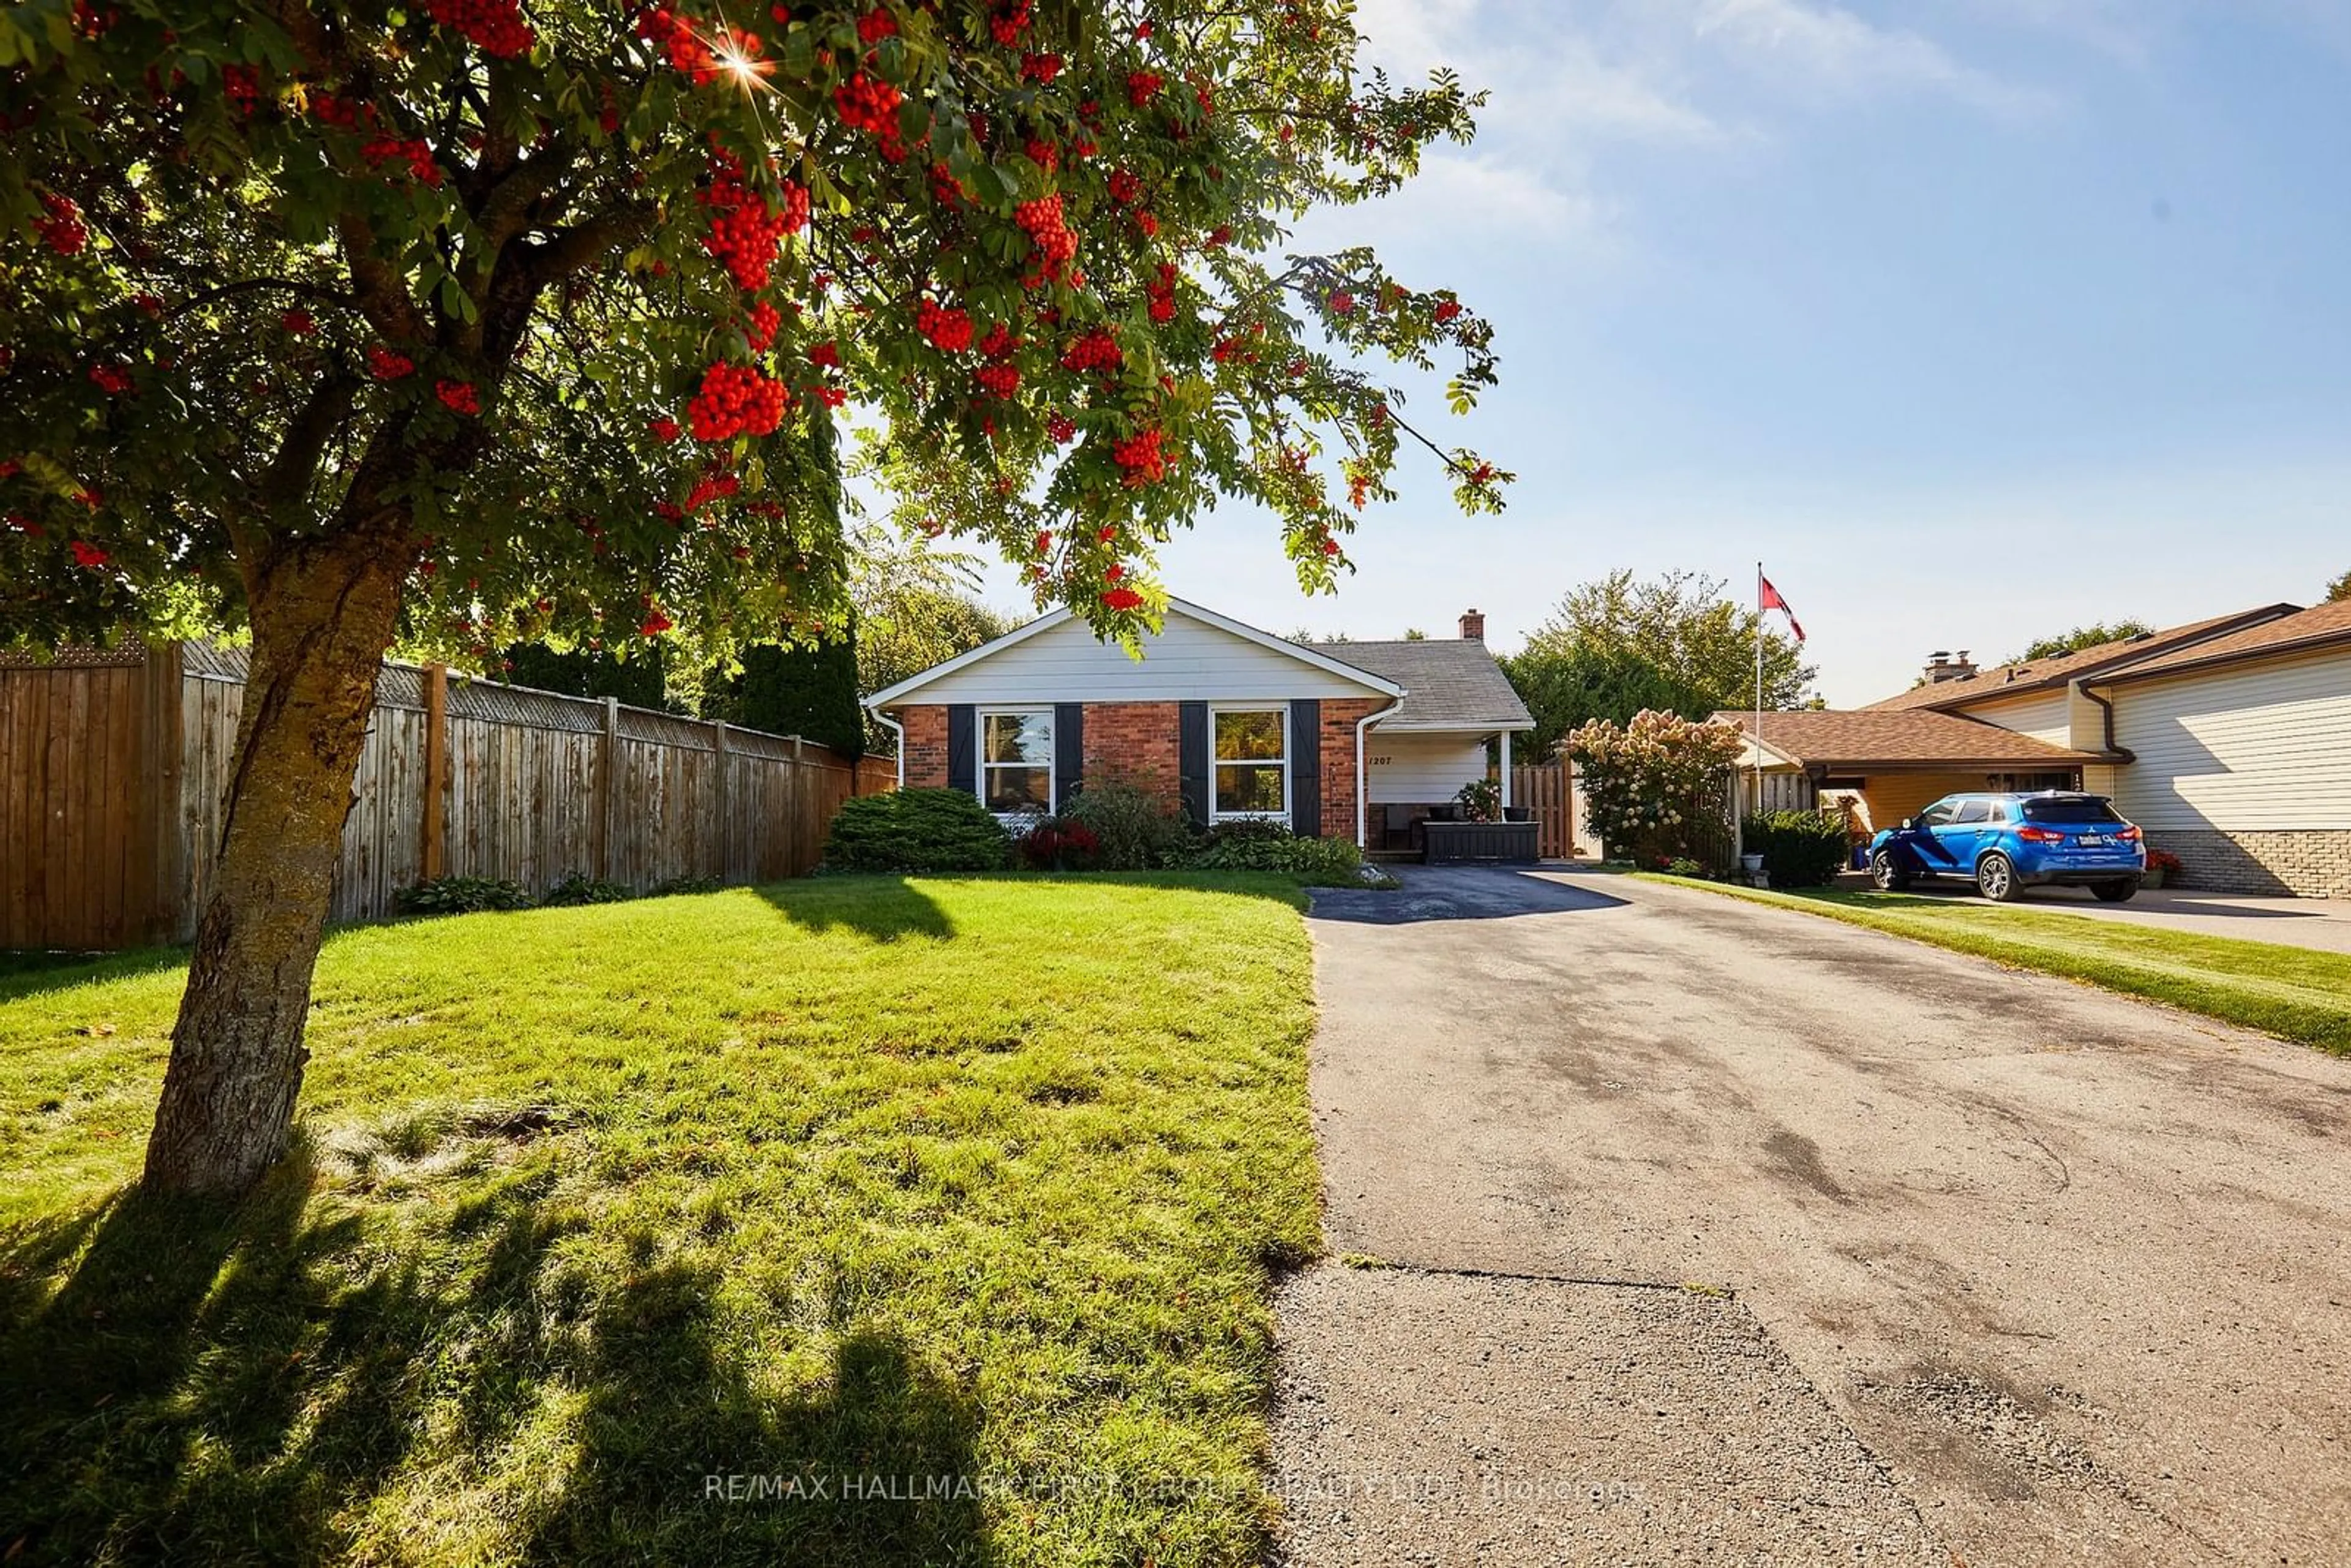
[1355,740]
[2228,740]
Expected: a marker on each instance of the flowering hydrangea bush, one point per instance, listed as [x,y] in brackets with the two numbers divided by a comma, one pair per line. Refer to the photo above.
[1656,789]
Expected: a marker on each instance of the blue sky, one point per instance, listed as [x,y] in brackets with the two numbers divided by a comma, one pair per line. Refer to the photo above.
[1973,319]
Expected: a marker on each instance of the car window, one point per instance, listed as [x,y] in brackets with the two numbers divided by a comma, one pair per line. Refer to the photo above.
[2003,811]
[1937,814]
[1973,811]
[2069,809]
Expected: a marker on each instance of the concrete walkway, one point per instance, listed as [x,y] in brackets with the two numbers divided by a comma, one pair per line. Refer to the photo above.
[2324,924]
[1729,1234]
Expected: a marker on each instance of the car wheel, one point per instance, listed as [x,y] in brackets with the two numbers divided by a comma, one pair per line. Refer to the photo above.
[1996,878]
[1886,873]
[2115,892]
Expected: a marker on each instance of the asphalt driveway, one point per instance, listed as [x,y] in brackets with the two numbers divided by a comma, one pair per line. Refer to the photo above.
[1732,1233]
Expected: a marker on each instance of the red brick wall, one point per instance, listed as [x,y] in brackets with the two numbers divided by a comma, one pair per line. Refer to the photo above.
[1339,717]
[1142,743]
[925,745]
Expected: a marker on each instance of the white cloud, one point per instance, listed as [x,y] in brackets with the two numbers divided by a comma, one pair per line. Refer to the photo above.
[1812,48]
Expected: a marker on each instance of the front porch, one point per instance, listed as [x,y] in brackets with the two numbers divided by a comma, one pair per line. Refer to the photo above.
[1414,812]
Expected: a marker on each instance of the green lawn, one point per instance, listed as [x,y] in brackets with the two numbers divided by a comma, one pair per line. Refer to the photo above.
[978,1179]
[2293,992]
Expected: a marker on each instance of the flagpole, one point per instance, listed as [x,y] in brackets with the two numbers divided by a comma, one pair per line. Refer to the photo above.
[1758,685]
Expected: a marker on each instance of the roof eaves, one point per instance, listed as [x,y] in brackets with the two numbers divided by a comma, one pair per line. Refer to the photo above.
[2156,671]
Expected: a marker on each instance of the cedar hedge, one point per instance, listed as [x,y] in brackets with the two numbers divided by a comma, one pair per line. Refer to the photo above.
[1800,849]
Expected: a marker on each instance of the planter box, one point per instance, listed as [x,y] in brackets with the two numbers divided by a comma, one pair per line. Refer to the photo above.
[1483,843]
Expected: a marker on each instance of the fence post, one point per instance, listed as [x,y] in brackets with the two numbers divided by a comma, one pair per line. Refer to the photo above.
[726,815]
[608,788]
[159,846]
[436,772]
[799,858]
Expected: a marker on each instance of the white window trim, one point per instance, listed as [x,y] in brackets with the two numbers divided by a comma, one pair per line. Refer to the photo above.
[980,764]
[1289,760]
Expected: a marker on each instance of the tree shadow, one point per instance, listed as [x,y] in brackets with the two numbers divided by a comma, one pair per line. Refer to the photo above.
[28,972]
[210,1384]
[885,908]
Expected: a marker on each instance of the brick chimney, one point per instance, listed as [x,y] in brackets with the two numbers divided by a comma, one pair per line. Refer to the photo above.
[1473,625]
[1941,667]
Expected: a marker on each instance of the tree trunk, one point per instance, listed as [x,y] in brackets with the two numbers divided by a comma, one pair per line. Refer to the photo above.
[323,612]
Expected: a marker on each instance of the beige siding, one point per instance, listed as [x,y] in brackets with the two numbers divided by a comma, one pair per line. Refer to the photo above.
[1189,660]
[2258,748]
[1410,768]
[2045,716]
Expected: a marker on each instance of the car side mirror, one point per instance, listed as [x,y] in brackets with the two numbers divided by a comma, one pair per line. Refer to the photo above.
[1906,824]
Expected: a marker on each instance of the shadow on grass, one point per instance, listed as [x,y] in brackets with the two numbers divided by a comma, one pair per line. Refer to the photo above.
[885,908]
[221,1386]
[26,972]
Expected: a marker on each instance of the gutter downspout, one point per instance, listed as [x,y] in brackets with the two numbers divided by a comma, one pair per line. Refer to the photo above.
[1362,805]
[900,730]
[2106,712]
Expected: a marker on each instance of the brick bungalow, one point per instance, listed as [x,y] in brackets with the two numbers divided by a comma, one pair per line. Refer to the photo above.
[1224,720]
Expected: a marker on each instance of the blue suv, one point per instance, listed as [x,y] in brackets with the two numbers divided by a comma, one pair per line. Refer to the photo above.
[2006,844]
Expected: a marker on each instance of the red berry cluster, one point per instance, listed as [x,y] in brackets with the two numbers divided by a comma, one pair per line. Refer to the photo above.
[761,329]
[999,380]
[999,343]
[1142,87]
[665,430]
[459,397]
[62,230]
[241,85]
[1011,20]
[495,26]
[827,353]
[866,103]
[386,366]
[1122,599]
[1330,546]
[875,26]
[1341,302]
[1042,153]
[1096,350]
[736,400]
[1142,458]
[944,325]
[417,155]
[655,623]
[661,26]
[1049,232]
[89,557]
[1447,309]
[744,234]
[1161,291]
[1063,429]
[709,487]
[1125,187]
[1041,69]
[298,322]
[111,379]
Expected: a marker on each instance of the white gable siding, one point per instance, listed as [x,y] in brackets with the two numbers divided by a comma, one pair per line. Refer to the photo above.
[1188,660]
[2045,716]
[2261,746]
[1419,769]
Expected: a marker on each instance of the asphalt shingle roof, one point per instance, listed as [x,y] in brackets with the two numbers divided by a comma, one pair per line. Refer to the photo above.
[1913,738]
[2316,627]
[1448,683]
[2034,675]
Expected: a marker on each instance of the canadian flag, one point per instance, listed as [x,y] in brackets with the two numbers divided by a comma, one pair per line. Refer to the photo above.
[1769,599]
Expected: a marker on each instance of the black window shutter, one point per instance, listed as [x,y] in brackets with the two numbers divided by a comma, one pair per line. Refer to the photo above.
[1068,752]
[1192,760]
[963,748]
[1306,767]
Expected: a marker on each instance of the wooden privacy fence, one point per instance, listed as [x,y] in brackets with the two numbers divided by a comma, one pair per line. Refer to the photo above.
[114,766]
[1547,790]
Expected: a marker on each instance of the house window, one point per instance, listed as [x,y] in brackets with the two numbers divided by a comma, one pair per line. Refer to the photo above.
[1016,761]
[1253,761]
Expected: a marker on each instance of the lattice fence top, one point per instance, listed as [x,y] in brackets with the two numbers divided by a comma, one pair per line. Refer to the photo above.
[73,656]
[664,729]
[399,686]
[499,704]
